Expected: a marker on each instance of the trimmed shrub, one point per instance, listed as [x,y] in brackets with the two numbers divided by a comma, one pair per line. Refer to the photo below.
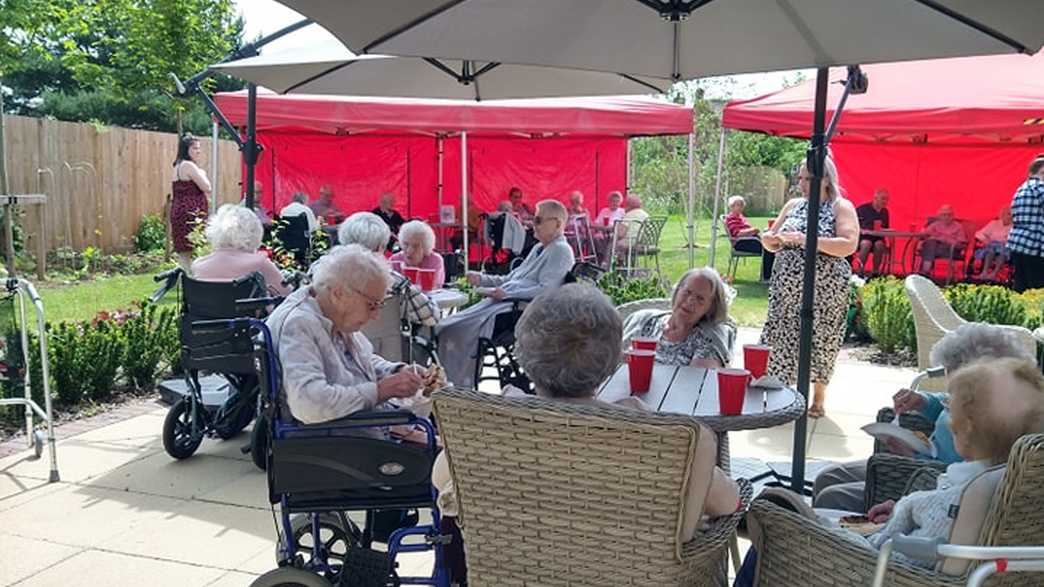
[887,315]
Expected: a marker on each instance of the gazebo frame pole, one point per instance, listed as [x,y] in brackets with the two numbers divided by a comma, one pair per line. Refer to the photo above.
[815,162]
[464,194]
[215,166]
[717,198]
[250,154]
[691,207]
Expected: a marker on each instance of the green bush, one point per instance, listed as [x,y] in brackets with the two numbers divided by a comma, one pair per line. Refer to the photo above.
[992,304]
[887,315]
[100,351]
[147,336]
[66,368]
[151,234]
[621,290]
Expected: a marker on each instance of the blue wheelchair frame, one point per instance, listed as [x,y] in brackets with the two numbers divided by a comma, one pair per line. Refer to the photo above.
[271,376]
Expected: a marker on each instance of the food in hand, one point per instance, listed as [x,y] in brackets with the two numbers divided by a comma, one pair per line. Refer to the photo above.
[435,379]
[859,524]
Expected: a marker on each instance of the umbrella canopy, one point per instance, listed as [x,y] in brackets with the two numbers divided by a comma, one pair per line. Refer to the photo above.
[682,39]
[966,100]
[329,68]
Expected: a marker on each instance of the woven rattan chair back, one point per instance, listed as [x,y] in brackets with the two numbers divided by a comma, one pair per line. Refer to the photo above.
[557,493]
[1017,515]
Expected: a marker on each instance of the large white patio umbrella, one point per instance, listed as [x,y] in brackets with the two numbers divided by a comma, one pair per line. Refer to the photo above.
[683,39]
[329,68]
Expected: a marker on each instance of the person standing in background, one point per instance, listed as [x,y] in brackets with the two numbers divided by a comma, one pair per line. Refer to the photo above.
[1026,239]
[190,190]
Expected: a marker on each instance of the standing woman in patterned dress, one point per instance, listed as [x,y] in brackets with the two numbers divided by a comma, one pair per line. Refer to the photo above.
[838,238]
[191,190]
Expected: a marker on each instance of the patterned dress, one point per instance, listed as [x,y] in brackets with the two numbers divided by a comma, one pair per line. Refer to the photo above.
[783,325]
[706,341]
[189,203]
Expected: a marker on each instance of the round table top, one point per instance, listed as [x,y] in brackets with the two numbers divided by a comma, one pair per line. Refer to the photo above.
[448,298]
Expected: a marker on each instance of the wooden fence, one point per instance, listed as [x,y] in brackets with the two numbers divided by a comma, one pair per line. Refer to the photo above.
[99,181]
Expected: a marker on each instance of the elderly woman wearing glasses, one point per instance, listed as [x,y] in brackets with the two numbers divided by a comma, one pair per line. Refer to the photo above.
[545,268]
[697,330]
[329,369]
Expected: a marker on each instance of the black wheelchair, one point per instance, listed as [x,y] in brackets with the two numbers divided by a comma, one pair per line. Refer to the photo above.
[225,355]
[318,473]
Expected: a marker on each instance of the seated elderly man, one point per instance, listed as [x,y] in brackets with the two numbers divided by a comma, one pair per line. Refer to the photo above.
[544,268]
[369,231]
[234,234]
[842,486]
[329,369]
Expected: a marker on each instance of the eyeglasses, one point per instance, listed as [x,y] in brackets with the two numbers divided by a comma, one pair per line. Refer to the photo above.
[371,303]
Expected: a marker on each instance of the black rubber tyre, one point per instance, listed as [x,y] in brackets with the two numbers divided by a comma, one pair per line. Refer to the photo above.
[290,577]
[178,438]
[336,536]
[259,442]
[238,421]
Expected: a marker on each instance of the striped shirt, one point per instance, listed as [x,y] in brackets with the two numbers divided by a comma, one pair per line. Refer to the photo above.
[1027,213]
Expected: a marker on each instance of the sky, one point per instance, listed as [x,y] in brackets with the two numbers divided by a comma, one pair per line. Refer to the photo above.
[264,17]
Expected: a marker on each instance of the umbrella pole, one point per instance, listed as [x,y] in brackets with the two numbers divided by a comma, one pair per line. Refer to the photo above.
[816,157]
[251,143]
[717,198]
[464,193]
[691,206]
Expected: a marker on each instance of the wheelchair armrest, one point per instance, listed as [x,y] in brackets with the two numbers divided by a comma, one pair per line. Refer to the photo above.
[379,418]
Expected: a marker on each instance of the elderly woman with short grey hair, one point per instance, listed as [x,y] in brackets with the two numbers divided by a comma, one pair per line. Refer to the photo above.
[234,234]
[842,486]
[366,229]
[697,330]
[329,368]
[417,240]
[568,342]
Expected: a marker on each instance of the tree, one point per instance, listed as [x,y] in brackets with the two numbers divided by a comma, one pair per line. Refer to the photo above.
[109,61]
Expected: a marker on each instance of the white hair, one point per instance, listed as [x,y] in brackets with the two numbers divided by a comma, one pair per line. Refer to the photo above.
[634,201]
[421,230]
[553,208]
[349,264]
[736,199]
[366,229]
[722,297]
[976,340]
[234,227]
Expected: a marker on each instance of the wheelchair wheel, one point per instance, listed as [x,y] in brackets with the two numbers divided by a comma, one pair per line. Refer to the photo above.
[259,442]
[180,440]
[290,577]
[235,422]
[337,533]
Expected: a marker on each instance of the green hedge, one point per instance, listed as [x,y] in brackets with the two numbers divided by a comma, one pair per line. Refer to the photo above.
[885,309]
[92,359]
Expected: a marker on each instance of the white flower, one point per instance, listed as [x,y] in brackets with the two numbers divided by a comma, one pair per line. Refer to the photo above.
[856,281]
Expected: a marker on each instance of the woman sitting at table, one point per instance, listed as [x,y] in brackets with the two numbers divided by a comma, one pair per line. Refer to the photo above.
[991,245]
[234,234]
[417,240]
[581,320]
[697,330]
[367,229]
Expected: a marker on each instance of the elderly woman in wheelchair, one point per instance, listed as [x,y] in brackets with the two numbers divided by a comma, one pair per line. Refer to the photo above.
[334,415]
[234,234]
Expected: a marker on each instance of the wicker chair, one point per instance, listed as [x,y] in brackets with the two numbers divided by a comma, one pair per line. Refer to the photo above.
[934,318]
[556,493]
[794,550]
[629,308]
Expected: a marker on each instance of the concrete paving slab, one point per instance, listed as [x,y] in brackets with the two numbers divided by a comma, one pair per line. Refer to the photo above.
[262,561]
[79,459]
[93,567]
[24,557]
[25,489]
[249,489]
[228,449]
[200,533]
[12,485]
[137,431]
[233,579]
[766,444]
[83,516]
[159,474]
[840,448]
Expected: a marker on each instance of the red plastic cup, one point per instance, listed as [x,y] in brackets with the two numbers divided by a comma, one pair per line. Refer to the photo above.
[426,279]
[755,359]
[411,273]
[732,388]
[771,222]
[639,368]
[643,343]
[877,225]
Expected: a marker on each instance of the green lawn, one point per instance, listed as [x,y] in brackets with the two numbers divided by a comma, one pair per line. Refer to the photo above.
[81,301]
[751,302]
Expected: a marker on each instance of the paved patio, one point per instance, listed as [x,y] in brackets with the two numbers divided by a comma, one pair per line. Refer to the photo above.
[125,512]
